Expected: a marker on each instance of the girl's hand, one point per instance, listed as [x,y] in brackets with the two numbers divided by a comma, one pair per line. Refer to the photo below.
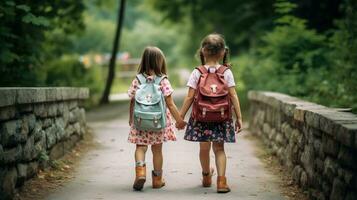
[238,125]
[130,121]
[180,124]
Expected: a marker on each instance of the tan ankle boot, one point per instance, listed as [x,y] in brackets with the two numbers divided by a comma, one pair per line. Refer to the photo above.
[157,181]
[207,178]
[140,178]
[222,186]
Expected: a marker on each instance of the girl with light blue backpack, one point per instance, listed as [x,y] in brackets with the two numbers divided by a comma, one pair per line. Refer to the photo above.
[151,112]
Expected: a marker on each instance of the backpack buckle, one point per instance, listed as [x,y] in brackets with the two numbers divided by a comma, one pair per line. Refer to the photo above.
[155,121]
[139,121]
[213,88]
[204,110]
[222,112]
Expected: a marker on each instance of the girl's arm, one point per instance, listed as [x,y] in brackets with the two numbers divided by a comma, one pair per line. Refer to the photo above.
[174,111]
[234,98]
[131,110]
[187,102]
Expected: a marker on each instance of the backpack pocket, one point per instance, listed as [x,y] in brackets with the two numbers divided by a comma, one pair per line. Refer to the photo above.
[208,112]
[148,121]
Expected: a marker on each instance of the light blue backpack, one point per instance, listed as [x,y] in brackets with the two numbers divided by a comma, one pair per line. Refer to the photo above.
[150,106]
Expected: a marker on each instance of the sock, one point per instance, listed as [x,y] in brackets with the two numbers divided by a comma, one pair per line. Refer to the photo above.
[140,163]
[157,172]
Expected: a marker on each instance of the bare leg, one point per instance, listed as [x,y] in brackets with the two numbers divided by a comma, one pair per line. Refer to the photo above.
[205,148]
[218,149]
[140,152]
[157,156]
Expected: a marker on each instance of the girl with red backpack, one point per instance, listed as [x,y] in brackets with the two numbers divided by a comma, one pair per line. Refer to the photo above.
[212,93]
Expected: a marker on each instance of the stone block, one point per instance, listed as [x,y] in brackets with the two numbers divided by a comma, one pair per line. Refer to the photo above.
[72,105]
[9,183]
[304,182]
[26,96]
[330,146]
[40,110]
[7,113]
[51,136]
[51,94]
[319,165]
[346,133]
[38,133]
[32,169]
[47,123]
[8,97]
[77,128]
[347,158]
[12,155]
[266,128]
[28,149]
[312,119]
[11,133]
[30,120]
[51,109]
[338,190]
[346,176]
[296,174]
[21,173]
[57,151]
[307,159]
[330,168]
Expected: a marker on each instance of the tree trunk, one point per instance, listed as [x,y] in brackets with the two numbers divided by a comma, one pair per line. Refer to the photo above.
[111,70]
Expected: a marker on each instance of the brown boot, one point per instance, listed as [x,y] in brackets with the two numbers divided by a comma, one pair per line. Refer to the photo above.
[207,178]
[157,181]
[140,178]
[222,186]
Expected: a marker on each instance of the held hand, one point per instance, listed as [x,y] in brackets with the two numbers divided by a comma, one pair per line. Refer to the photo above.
[180,124]
[238,126]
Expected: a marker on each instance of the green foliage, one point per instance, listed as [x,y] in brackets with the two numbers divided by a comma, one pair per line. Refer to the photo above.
[23,28]
[296,60]
[68,71]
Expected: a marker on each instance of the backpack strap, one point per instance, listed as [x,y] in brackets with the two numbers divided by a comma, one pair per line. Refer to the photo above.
[158,79]
[141,78]
[202,69]
[222,69]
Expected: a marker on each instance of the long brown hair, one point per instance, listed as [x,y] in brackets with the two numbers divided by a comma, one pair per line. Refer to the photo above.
[153,59]
[211,46]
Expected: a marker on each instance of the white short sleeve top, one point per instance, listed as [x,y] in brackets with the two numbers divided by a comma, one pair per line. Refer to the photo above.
[195,75]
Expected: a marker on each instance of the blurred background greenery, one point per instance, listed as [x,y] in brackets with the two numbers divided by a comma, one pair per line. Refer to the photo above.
[299,47]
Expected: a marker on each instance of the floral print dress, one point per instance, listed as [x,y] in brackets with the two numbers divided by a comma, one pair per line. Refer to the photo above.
[153,137]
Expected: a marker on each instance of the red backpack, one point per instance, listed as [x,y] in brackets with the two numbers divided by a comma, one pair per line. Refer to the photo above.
[212,102]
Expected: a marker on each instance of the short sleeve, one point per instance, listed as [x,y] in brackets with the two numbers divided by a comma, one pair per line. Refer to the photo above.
[193,79]
[166,87]
[133,87]
[228,76]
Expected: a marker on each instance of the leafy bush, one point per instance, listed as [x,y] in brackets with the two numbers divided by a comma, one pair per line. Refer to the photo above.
[299,61]
[68,71]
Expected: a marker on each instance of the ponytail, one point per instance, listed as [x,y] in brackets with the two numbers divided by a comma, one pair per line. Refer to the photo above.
[225,57]
[202,57]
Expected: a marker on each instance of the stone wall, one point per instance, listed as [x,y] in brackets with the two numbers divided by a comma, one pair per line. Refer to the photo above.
[318,145]
[36,125]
